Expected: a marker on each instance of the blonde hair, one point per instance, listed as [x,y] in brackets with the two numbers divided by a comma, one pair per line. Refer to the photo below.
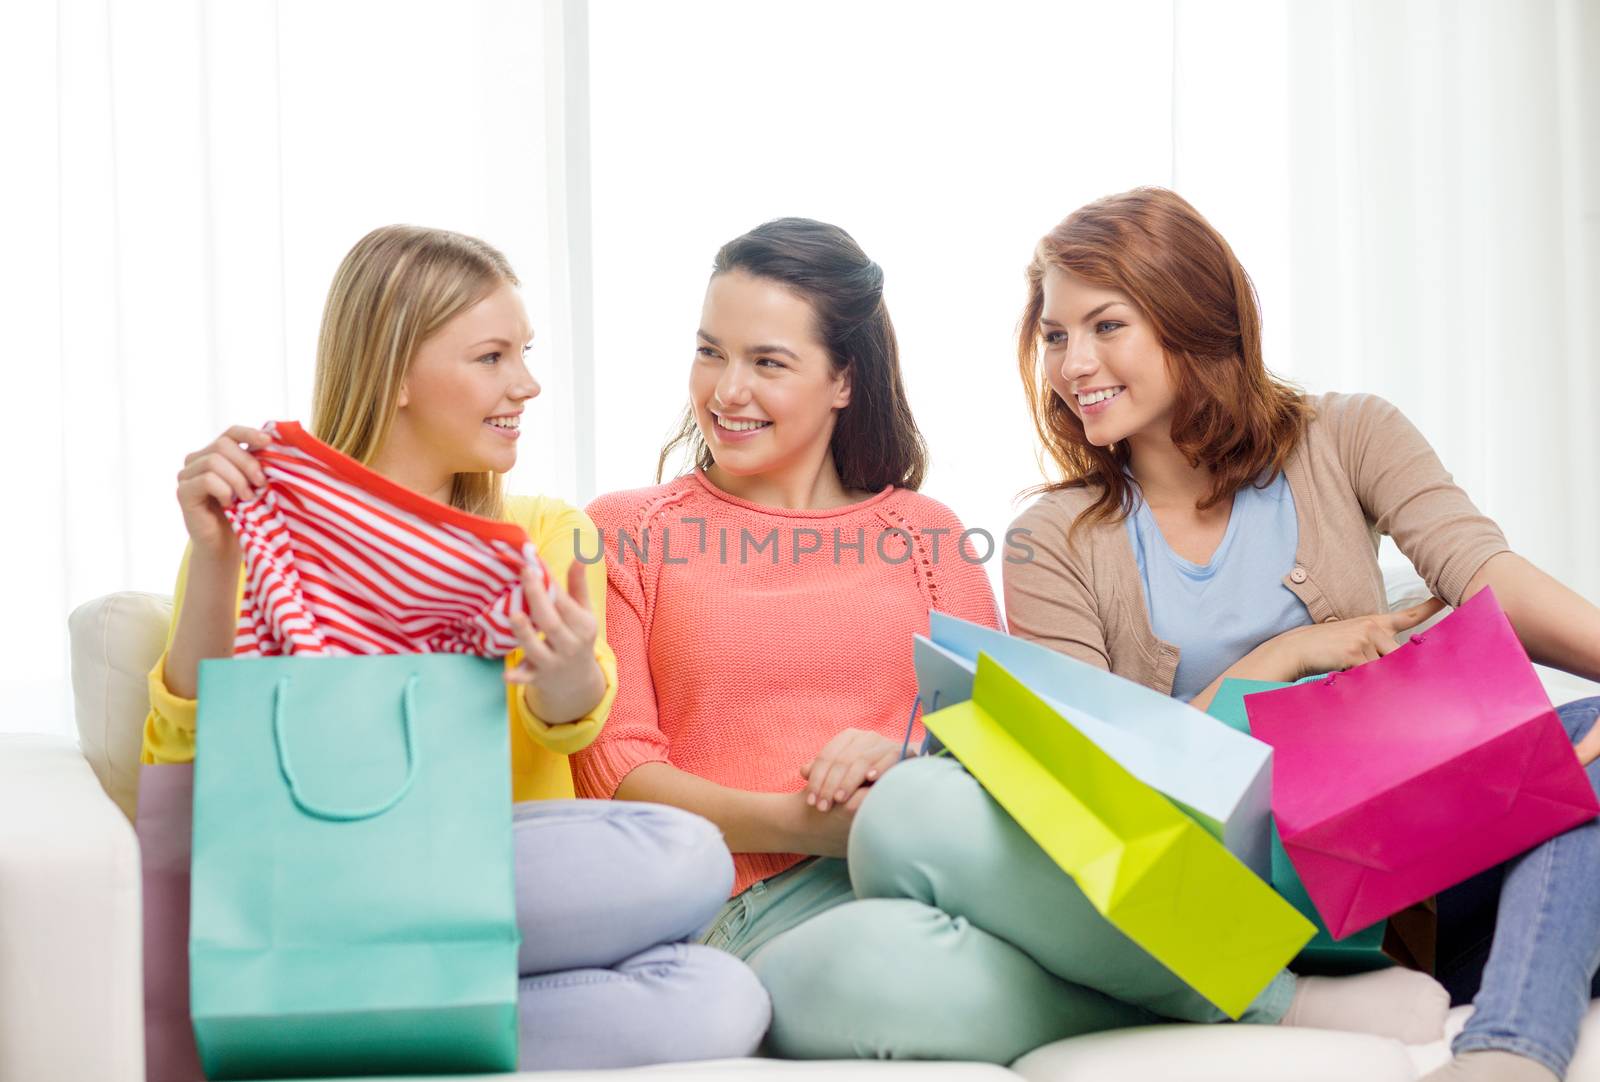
[398,285]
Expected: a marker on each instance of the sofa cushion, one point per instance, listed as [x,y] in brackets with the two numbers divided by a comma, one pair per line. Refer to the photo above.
[1225,1053]
[1231,1053]
[116,640]
[69,920]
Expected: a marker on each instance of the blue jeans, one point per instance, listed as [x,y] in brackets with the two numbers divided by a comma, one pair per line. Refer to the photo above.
[610,895]
[1526,937]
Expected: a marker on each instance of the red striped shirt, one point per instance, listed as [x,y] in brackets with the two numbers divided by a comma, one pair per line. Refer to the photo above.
[341,560]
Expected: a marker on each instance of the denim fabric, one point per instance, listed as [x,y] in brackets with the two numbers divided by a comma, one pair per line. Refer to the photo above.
[609,896]
[766,909]
[1542,942]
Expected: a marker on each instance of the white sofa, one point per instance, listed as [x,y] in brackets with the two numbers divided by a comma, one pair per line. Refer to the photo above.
[70,932]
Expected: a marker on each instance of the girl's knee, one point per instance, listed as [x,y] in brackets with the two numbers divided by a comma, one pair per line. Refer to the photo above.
[824,978]
[647,872]
[702,1003]
[895,979]
[733,1007]
[692,853]
[672,1003]
[681,861]
[920,814]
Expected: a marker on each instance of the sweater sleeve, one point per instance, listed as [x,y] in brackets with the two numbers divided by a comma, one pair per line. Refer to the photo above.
[561,532]
[633,735]
[1049,586]
[962,583]
[1405,491]
[169,726]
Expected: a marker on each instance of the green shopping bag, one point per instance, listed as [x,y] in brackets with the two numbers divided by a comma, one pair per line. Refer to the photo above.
[1144,865]
[352,894]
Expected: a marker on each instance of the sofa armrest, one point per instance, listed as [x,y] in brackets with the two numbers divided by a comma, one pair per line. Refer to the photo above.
[71,992]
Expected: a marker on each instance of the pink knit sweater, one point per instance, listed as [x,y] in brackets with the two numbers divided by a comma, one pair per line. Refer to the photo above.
[748,636]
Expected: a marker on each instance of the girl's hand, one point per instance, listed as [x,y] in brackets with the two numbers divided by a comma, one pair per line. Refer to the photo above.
[827,833]
[853,758]
[218,475]
[1344,644]
[560,678]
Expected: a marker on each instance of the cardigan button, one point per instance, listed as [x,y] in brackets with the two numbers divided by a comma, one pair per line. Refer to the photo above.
[1297,575]
[1330,619]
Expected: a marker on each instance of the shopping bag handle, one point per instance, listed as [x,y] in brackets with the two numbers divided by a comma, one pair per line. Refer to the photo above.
[345,815]
[911,722]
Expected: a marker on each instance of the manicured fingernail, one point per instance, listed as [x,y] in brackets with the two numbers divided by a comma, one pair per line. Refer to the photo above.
[838,796]
[823,806]
[811,798]
[871,774]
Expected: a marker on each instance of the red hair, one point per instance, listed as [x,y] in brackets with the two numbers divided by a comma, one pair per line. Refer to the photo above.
[1230,415]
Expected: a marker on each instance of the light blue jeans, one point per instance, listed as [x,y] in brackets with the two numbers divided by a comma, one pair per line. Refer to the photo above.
[1545,950]
[610,895]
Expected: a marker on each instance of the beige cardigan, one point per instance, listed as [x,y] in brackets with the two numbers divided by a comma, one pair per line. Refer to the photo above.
[1361,470]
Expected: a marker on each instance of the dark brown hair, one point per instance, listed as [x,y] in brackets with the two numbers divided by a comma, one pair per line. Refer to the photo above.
[1231,415]
[875,439]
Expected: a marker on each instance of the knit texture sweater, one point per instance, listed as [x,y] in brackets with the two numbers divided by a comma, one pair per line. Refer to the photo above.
[748,636]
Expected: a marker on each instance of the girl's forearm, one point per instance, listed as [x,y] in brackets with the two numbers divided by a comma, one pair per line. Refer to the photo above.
[1558,627]
[1269,661]
[206,622]
[750,822]
[572,701]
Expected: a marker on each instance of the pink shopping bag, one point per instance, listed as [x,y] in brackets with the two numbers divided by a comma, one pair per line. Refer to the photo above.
[163,823]
[1404,776]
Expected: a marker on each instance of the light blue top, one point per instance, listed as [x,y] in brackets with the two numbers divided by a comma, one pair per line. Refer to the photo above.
[1218,612]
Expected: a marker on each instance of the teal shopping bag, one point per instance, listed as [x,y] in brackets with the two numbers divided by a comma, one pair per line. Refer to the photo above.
[1356,952]
[352,892]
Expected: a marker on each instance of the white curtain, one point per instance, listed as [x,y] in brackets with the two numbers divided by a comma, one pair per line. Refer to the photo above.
[1444,223]
[946,137]
[182,180]
[1415,187]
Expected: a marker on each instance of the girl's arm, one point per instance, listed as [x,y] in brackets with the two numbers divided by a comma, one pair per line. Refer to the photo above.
[213,478]
[206,597]
[1407,492]
[1557,626]
[1049,595]
[1319,648]
[750,822]
[207,618]
[169,725]
[560,533]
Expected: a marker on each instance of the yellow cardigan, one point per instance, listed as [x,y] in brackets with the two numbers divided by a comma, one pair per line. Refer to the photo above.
[539,752]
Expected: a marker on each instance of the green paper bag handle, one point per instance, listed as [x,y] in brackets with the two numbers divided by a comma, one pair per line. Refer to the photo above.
[345,815]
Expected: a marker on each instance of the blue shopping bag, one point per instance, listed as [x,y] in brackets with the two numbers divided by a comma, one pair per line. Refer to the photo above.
[1220,777]
[353,907]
